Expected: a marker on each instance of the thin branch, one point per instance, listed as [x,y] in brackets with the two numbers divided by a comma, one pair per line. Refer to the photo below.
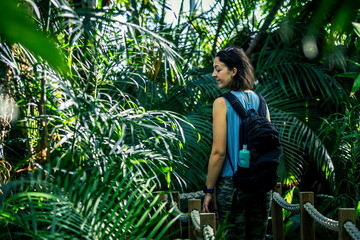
[220,24]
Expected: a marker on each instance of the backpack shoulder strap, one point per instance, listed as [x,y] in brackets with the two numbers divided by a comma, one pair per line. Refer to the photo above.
[239,108]
[262,107]
[241,111]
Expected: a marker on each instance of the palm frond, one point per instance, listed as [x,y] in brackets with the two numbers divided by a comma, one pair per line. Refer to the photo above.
[198,146]
[80,204]
[97,130]
[198,91]
[287,68]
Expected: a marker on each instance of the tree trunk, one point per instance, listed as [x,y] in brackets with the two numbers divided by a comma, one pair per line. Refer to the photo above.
[264,27]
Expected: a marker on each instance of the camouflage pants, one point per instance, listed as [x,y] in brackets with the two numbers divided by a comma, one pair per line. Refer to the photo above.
[247,214]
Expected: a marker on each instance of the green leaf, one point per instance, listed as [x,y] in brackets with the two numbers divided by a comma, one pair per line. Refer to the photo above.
[356,63]
[289,195]
[356,85]
[16,27]
[356,28]
[347,75]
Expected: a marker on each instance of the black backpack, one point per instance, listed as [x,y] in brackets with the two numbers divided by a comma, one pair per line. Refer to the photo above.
[262,140]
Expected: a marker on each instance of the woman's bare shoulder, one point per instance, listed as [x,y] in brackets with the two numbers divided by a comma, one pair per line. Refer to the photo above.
[220,101]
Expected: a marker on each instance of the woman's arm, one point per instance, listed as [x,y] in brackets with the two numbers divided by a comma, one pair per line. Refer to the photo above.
[218,151]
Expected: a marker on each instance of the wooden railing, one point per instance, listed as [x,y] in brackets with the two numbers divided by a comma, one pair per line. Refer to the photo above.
[309,215]
[199,225]
[203,225]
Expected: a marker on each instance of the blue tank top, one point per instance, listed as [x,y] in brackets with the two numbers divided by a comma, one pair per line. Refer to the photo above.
[233,126]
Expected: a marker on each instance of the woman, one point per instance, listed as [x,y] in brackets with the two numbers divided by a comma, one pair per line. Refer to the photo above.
[246,214]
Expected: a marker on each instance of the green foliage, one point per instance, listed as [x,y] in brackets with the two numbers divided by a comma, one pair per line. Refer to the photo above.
[106,151]
[341,132]
[16,27]
[54,203]
[133,112]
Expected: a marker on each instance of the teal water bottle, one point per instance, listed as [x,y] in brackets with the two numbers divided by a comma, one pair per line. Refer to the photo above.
[244,157]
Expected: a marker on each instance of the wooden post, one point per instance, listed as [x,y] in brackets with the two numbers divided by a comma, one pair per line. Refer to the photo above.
[345,214]
[162,195]
[207,219]
[177,226]
[307,225]
[277,216]
[193,204]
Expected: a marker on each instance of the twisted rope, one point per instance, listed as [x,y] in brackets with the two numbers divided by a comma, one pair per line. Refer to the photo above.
[208,233]
[183,217]
[352,230]
[187,196]
[284,204]
[195,218]
[192,195]
[324,221]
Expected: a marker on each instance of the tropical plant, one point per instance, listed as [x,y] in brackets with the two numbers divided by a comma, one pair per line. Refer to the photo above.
[134,100]
[54,203]
[341,133]
[105,152]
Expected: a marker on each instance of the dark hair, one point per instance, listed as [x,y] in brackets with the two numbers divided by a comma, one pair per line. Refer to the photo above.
[236,58]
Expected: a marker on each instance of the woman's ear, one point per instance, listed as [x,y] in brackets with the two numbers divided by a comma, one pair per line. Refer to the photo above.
[234,72]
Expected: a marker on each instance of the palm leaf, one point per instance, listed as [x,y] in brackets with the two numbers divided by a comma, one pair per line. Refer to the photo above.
[81,205]
[288,69]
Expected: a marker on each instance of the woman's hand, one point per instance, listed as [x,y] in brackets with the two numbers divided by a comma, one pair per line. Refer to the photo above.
[208,203]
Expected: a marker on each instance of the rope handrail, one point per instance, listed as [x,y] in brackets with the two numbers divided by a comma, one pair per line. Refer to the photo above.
[183,217]
[345,226]
[195,219]
[208,232]
[352,230]
[187,196]
[192,195]
[284,204]
[321,219]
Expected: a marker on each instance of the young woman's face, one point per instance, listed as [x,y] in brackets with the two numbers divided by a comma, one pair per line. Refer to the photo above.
[222,74]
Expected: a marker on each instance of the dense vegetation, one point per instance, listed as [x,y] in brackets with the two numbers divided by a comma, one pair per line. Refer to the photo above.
[102,103]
